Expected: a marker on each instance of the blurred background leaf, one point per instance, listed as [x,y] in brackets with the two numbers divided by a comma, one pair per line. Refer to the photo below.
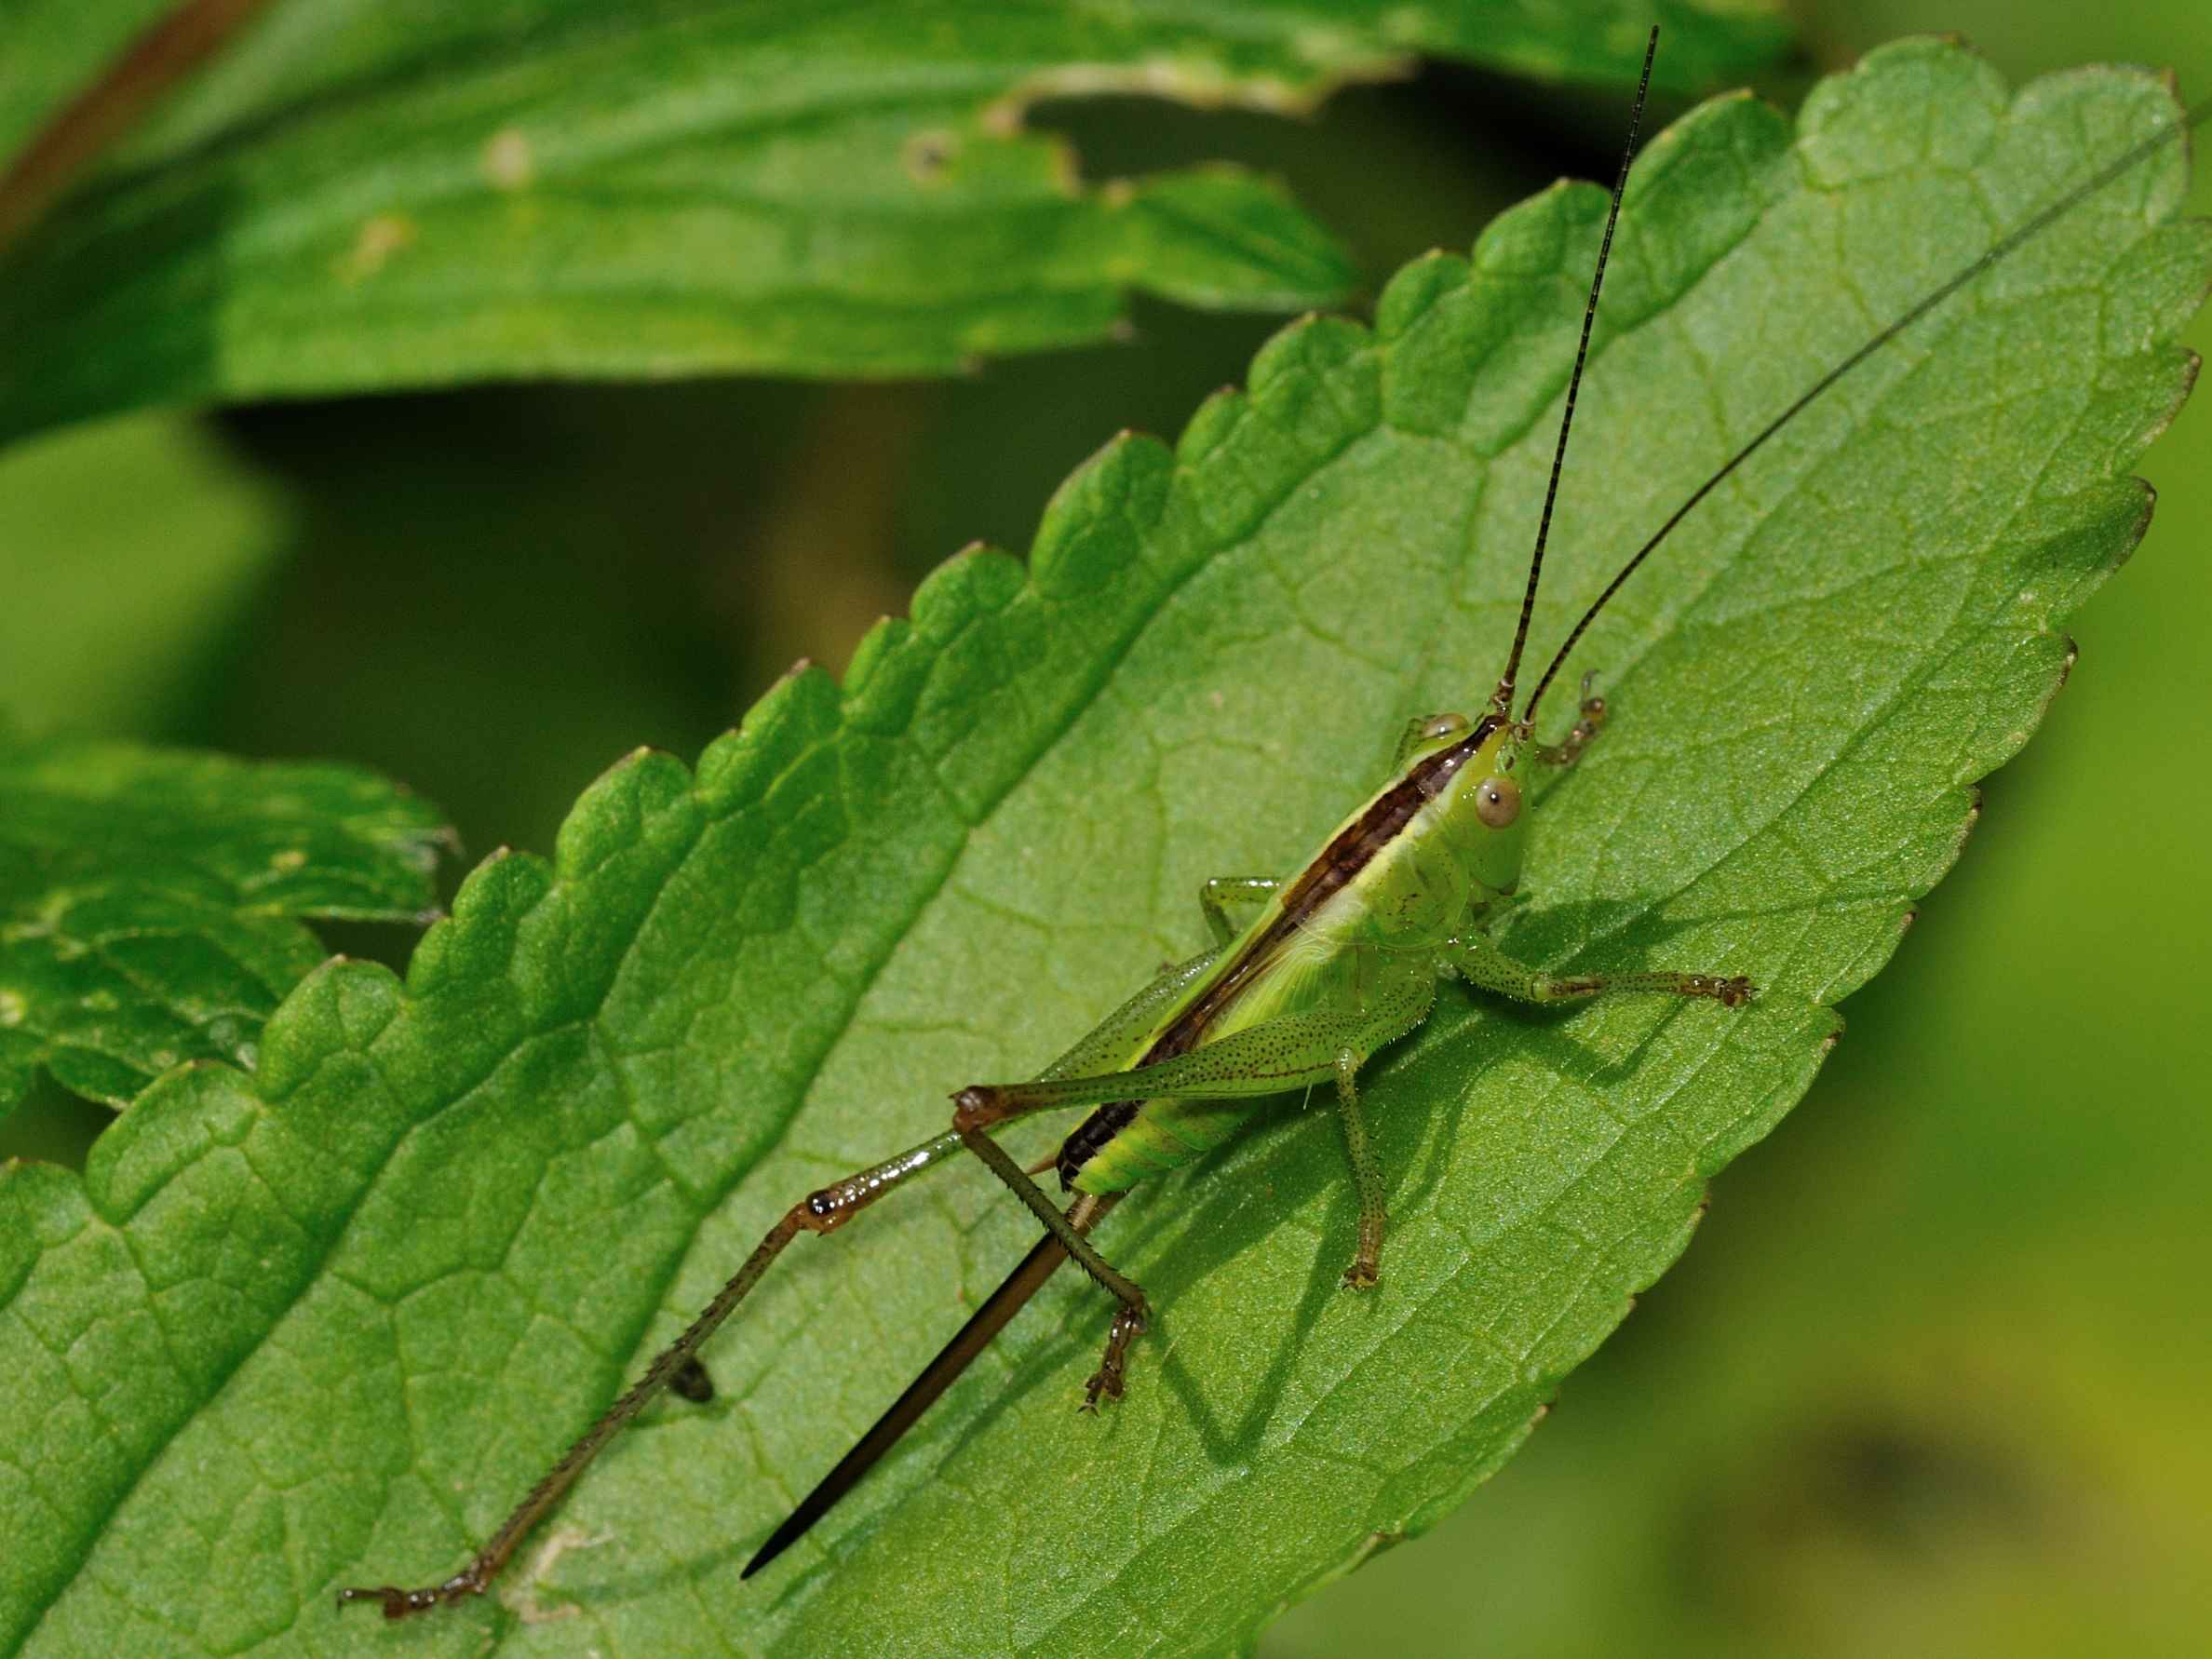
[127,553]
[149,900]
[1931,1377]
[418,196]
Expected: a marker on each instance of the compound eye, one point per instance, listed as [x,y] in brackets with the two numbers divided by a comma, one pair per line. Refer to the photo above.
[1497,802]
[1443,725]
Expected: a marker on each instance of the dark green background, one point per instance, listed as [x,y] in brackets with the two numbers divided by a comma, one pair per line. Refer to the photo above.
[1933,1378]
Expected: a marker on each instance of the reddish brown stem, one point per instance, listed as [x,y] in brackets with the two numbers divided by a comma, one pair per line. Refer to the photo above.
[155,61]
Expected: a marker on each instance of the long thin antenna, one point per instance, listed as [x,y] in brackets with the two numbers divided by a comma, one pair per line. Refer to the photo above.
[1502,699]
[2002,249]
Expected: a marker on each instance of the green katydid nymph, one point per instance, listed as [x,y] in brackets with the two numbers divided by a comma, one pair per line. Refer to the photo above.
[1307,977]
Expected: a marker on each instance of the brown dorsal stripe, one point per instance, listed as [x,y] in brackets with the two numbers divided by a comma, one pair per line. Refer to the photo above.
[1339,862]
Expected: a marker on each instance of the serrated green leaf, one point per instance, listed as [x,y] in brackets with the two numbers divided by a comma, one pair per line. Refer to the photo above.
[150,900]
[323,1323]
[419,195]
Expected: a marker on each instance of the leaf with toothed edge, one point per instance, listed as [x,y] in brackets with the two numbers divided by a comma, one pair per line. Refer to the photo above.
[420,193]
[323,1323]
[151,900]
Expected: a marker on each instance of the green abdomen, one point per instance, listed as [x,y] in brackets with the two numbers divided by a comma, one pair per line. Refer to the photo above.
[1163,1135]
[1120,1145]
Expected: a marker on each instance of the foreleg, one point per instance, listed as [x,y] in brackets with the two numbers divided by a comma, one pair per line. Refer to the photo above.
[1482,963]
[1588,718]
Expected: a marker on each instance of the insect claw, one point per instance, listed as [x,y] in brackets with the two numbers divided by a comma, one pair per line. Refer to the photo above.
[399,1604]
[1591,706]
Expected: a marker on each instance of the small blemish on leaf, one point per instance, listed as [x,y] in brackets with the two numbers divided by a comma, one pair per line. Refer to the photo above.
[522,1599]
[290,859]
[381,238]
[927,155]
[12,1007]
[1373,1545]
[508,159]
[1188,79]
